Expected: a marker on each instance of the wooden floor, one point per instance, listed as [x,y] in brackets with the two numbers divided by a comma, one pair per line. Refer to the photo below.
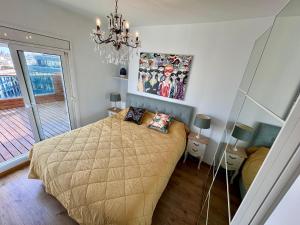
[16,136]
[24,201]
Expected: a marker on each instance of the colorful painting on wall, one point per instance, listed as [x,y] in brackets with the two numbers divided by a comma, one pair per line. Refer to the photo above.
[164,74]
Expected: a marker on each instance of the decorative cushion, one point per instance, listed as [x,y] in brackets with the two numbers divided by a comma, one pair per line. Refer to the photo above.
[161,122]
[135,115]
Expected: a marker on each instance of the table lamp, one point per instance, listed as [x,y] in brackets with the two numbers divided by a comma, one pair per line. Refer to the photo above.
[241,132]
[115,97]
[203,122]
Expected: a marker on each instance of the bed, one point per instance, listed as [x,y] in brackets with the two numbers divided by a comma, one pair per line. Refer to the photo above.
[112,172]
[258,149]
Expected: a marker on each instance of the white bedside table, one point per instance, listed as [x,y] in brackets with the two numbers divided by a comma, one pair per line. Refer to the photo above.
[196,147]
[234,160]
[113,111]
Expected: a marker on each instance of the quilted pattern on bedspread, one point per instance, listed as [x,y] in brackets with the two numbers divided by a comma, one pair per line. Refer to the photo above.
[111,172]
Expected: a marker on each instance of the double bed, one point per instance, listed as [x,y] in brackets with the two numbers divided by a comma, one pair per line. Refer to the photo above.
[112,172]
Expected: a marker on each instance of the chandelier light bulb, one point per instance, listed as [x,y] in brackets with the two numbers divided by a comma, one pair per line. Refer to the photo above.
[98,22]
[127,25]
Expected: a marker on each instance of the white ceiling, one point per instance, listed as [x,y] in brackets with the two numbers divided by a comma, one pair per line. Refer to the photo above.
[155,12]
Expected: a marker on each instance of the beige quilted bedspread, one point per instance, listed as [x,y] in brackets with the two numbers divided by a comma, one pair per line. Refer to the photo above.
[110,172]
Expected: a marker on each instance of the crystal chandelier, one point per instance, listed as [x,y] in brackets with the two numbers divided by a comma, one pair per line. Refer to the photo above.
[115,47]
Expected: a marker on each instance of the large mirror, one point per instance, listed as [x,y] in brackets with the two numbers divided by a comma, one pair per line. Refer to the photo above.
[263,102]
[254,59]
[215,191]
[276,82]
[215,208]
[245,159]
[269,89]
[218,208]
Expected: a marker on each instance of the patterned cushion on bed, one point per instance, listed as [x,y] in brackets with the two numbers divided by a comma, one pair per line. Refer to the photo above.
[135,115]
[161,122]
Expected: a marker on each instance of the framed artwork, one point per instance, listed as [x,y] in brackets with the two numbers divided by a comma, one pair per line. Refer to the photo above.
[164,74]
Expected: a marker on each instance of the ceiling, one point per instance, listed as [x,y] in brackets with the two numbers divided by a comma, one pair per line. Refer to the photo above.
[157,12]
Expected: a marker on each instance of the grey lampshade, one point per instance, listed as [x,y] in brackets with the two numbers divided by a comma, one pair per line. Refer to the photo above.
[242,132]
[115,97]
[202,121]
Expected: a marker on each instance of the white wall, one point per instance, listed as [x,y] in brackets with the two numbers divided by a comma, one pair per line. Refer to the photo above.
[221,52]
[93,78]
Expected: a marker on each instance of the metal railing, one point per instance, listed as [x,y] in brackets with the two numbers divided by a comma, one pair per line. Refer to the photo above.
[9,87]
[41,85]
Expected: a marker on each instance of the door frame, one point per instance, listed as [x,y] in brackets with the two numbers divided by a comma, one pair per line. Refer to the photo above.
[69,79]
[68,65]
[25,94]
[64,56]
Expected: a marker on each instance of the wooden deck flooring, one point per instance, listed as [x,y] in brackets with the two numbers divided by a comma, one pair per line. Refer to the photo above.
[16,135]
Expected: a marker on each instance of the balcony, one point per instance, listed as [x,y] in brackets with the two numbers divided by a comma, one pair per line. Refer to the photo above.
[16,136]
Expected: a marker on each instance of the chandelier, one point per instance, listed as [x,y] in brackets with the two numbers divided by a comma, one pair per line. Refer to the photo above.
[115,46]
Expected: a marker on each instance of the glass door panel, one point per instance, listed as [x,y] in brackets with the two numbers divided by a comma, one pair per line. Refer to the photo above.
[17,129]
[45,83]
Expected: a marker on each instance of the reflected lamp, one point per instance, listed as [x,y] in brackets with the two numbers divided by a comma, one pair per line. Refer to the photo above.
[241,132]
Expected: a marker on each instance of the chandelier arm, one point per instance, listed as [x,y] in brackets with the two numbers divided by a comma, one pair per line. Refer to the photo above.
[100,41]
[116,7]
[131,45]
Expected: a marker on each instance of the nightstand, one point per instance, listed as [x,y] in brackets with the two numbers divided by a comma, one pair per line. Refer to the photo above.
[234,160]
[196,147]
[113,111]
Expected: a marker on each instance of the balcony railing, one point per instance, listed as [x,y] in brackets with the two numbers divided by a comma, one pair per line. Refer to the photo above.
[9,87]
[46,88]
[41,85]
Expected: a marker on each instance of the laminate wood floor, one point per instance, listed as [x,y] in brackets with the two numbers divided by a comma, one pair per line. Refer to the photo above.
[24,201]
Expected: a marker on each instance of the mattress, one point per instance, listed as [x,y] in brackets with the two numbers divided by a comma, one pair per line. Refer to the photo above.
[111,172]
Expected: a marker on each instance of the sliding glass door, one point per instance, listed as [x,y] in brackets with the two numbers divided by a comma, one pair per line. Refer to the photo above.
[17,128]
[46,87]
[34,93]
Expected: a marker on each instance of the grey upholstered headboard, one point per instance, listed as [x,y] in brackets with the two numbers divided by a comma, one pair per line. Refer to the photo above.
[182,113]
[264,135]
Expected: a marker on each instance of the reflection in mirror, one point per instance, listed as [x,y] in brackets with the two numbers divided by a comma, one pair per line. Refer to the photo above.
[252,114]
[207,184]
[276,82]
[235,111]
[217,195]
[254,59]
[211,174]
[220,151]
[218,207]
[203,217]
[244,162]
[266,94]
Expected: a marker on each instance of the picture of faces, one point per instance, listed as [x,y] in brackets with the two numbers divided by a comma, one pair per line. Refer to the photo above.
[164,74]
